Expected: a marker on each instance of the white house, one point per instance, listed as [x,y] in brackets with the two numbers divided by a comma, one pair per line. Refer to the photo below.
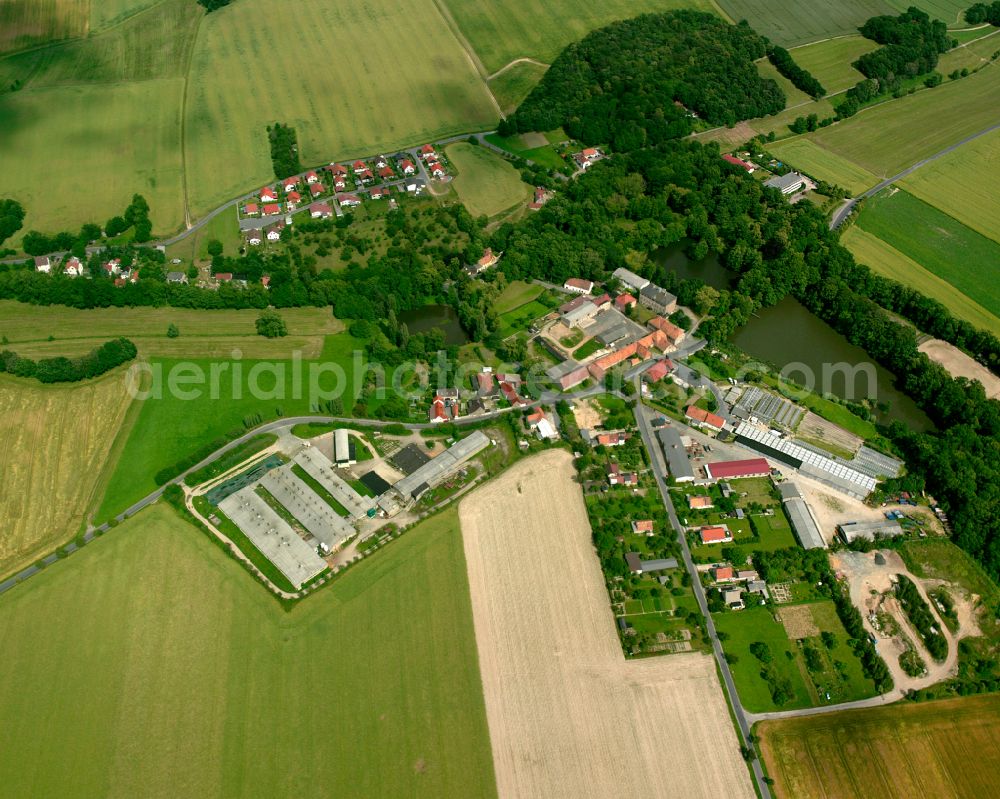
[320,211]
[578,285]
[43,264]
[348,200]
[311,177]
[407,166]
[72,267]
[253,237]
[436,170]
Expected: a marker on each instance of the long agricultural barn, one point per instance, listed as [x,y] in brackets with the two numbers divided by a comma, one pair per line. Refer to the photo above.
[731,470]
[805,526]
[343,448]
[437,469]
[826,470]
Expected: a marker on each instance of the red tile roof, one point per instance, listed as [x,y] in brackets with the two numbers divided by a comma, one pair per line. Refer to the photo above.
[580,283]
[751,467]
[271,209]
[705,417]
[737,161]
[723,572]
[642,526]
[659,370]
[673,332]
[713,535]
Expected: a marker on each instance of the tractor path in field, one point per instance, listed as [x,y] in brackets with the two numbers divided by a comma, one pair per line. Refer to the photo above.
[514,63]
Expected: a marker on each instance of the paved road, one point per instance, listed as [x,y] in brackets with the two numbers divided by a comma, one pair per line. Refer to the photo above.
[660,472]
[876,701]
[844,211]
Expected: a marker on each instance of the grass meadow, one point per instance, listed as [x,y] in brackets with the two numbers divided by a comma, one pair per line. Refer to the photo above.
[29,23]
[963,184]
[150,664]
[54,439]
[890,752]
[101,144]
[942,245]
[485,182]
[171,427]
[803,154]
[894,135]
[793,97]
[886,260]
[800,21]
[516,294]
[830,61]
[202,333]
[513,85]
[352,80]
[224,227]
[970,55]
[502,31]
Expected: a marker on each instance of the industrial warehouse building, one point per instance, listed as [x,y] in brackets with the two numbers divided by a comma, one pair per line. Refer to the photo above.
[344,453]
[677,458]
[733,470]
[826,470]
[851,531]
[805,526]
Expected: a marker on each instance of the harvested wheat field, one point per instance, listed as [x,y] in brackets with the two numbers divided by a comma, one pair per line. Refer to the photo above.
[55,439]
[568,715]
[958,364]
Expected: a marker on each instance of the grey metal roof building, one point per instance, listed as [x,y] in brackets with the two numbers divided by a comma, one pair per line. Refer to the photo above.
[805,526]
[786,184]
[658,299]
[820,467]
[677,458]
[342,448]
[630,278]
[312,511]
[437,469]
[637,565]
[851,531]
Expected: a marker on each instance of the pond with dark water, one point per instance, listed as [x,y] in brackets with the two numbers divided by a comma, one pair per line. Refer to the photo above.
[442,317]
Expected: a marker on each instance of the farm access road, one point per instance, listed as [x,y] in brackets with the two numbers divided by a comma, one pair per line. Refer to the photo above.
[845,210]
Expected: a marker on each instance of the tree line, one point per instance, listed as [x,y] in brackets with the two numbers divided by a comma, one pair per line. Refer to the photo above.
[284,150]
[135,215]
[637,82]
[102,359]
[979,13]
[801,78]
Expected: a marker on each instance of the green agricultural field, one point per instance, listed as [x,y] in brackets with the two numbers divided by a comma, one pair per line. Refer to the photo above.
[101,144]
[963,184]
[105,13]
[516,294]
[545,155]
[948,11]
[879,256]
[202,333]
[512,85]
[803,154]
[508,29]
[800,21]
[224,228]
[743,628]
[332,71]
[893,752]
[894,135]
[830,60]
[942,245]
[175,424]
[485,182]
[28,23]
[191,681]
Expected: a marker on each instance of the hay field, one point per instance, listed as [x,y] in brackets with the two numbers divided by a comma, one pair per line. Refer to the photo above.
[958,364]
[352,79]
[887,260]
[568,715]
[896,134]
[793,97]
[151,665]
[823,164]
[485,182]
[830,61]
[502,31]
[963,183]
[894,752]
[511,86]
[54,439]
[101,144]
[939,243]
[799,21]
[29,23]
[203,333]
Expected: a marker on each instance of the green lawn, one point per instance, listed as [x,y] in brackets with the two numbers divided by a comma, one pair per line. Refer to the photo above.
[170,427]
[516,294]
[805,155]
[972,54]
[942,245]
[963,183]
[830,61]
[545,155]
[224,228]
[798,21]
[757,624]
[793,96]
[875,253]
[512,85]
[521,317]
[485,182]
[587,349]
[189,680]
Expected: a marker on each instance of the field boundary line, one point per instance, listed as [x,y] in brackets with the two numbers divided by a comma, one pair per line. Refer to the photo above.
[470,52]
[189,59]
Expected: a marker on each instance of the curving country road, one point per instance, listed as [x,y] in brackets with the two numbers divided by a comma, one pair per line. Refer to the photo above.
[844,211]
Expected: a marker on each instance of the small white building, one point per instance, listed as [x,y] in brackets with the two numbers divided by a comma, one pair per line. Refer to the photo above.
[579,285]
[342,448]
[43,264]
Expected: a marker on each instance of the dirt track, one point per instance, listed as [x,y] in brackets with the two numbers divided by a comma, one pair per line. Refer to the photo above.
[568,715]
